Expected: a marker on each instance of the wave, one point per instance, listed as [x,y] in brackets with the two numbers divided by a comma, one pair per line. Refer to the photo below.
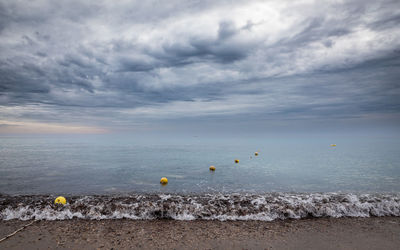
[265,207]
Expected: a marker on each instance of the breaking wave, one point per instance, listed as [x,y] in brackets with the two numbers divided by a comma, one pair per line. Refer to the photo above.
[265,207]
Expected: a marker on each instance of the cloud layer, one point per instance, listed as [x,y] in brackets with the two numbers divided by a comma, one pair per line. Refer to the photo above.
[120,65]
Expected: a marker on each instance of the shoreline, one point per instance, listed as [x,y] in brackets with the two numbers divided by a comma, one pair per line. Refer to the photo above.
[260,207]
[312,233]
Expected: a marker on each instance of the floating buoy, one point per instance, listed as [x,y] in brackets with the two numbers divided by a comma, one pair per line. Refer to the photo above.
[60,200]
[333,145]
[256,153]
[236,161]
[212,168]
[164,181]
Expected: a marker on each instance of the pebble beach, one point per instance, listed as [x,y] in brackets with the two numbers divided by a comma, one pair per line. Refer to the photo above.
[320,233]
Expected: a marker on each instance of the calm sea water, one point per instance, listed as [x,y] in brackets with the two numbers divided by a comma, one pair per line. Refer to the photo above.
[104,164]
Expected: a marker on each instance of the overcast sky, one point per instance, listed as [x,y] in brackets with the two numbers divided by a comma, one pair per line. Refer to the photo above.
[112,66]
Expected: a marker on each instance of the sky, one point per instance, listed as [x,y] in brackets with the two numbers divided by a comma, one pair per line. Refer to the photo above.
[199,66]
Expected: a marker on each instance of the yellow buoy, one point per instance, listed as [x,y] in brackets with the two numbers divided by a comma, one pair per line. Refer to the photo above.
[236,161]
[333,145]
[60,200]
[212,168]
[256,153]
[164,181]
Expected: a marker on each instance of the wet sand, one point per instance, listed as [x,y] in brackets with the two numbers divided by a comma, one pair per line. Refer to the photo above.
[323,233]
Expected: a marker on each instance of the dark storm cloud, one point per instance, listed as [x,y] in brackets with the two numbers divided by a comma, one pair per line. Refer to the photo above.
[198,50]
[118,63]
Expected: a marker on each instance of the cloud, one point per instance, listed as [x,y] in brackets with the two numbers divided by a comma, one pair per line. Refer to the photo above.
[106,64]
[7,127]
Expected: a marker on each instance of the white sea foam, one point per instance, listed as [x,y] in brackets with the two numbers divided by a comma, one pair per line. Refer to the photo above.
[265,207]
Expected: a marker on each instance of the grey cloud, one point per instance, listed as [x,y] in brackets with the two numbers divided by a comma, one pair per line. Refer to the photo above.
[89,61]
[226,29]
[134,65]
[390,21]
[318,29]
[199,50]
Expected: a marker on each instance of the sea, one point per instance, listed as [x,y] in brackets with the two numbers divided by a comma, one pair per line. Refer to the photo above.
[117,176]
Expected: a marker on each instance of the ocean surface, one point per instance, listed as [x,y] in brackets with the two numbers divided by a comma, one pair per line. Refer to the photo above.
[117,176]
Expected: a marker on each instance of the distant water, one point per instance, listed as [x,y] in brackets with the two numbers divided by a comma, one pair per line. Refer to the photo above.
[117,164]
[109,176]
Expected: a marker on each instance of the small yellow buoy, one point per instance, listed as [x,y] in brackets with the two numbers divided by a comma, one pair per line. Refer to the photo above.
[333,145]
[236,161]
[212,168]
[256,153]
[60,200]
[164,181]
